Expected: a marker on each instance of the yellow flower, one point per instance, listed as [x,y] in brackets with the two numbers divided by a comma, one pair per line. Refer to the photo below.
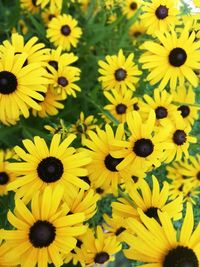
[129,7]
[175,58]
[98,249]
[44,233]
[42,166]
[159,15]
[161,245]
[149,201]
[63,31]
[119,72]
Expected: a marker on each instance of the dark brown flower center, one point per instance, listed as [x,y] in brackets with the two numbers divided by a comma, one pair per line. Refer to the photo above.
[63,81]
[34,2]
[185,111]
[152,212]
[161,113]
[51,16]
[4,178]
[134,178]
[179,137]
[8,83]
[42,234]
[137,34]
[100,190]
[101,257]
[198,175]
[111,163]
[143,147]
[161,12]
[121,108]
[65,30]
[54,64]
[120,74]
[85,179]
[133,6]
[177,57]
[181,257]
[120,230]
[136,107]
[50,169]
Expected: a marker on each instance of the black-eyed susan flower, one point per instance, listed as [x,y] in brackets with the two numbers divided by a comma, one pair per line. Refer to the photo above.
[185,189]
[57,59]
[103,167]
[35,52]
[180,56]
[136,31]
[6,176]
[43,3]
[99,249]
[29,5]
[145,146]
[119,72]
[160,245]
[42,166]
[50,105]
[45,232]
[48,14]
[63,31]
[161,103]
[185,99]
[115,226]
[159,15]
[82,201]
[180,138]
[72,257]
[20,86]
[190,168]
[149,201]
[83,125]
[129,7]
[63,80]
[120,103]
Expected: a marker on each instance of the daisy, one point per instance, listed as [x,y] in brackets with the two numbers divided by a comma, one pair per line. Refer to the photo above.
[185,100]
[145,146]
[82,201]
[29,5]
[150,201]
[57,59]
[20,86]
[6,176]
[63,31]
[129,7]
[50,105]
[119,72]
[103,167]
[161,245]
[41,166]
[180,56]
[36,52]
[98,249]
[120,103]
[158,15]
[180,139]
[161,103]
[63,80]
[43,233]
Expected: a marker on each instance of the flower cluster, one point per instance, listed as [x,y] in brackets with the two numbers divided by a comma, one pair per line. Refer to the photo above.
[99,133]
